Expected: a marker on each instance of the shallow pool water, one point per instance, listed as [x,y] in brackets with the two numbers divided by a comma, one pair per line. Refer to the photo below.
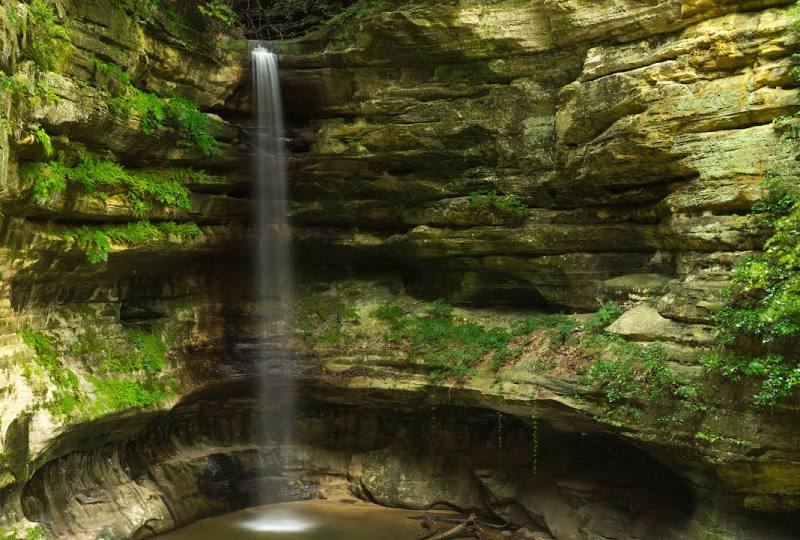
[305,521]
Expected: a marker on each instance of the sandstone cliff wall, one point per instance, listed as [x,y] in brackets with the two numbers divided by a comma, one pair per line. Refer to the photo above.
[548,155]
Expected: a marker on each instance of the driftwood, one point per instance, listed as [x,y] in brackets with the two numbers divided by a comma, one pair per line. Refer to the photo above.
[469,528]
[446,518]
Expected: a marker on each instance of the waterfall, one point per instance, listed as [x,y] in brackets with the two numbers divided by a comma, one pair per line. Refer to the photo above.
[274,275]
[274,262]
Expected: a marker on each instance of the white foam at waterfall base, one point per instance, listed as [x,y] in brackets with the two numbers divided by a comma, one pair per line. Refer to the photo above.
[279,521]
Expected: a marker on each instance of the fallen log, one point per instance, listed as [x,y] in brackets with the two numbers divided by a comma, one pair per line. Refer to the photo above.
[449,518]
[469,528]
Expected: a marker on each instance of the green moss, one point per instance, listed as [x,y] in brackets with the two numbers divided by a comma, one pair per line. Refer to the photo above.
[48,42]
[66,392]
[84,311]
[140,351]
[113,394]
[127,370]
[45,356]
[148,354]
[508,206]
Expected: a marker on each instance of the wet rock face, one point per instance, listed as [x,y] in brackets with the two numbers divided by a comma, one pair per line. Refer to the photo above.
[632,131]
[547,154]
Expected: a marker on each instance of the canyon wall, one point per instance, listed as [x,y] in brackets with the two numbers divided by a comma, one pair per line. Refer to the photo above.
[511,157]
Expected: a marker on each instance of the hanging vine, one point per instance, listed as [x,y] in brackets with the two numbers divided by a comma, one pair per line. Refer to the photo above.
[534,439]
[499,431]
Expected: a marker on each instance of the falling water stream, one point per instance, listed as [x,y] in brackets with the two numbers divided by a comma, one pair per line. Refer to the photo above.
[274,360]
[273,257]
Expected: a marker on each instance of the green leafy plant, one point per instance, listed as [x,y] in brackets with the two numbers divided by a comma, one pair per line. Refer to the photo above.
[112,72]
[762,306]
[156,114]
[451,347]
[47,180]
[218,12]
[779,376]
[620,369]
[499,417]
[96,242]
[26,91]
[44,140]
[354,11]
[558,326]
[765,296]
[624,369]
[763,303]
[143,187]
[193,123]
[141,9]
[322,317]
[607,314]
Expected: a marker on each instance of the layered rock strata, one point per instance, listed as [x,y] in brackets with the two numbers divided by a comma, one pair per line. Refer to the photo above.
[548,155]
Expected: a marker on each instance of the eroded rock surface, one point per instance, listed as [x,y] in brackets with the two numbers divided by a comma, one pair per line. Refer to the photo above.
[635,134]
[548,155]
